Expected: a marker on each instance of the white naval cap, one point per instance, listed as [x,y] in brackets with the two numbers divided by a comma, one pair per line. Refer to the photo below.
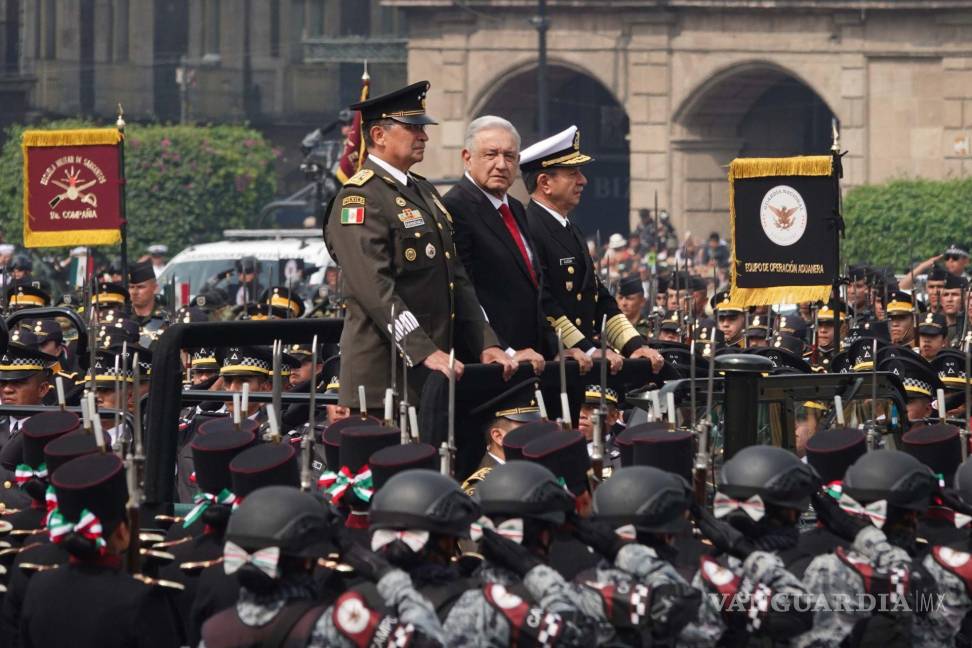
[560,150]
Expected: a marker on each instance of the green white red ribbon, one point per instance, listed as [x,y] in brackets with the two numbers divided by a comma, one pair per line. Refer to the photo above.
[89,526]
[337,484]
[24,473]
[203,501]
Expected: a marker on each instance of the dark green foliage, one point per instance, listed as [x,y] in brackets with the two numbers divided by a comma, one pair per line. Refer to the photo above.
[906,221]
[185,183]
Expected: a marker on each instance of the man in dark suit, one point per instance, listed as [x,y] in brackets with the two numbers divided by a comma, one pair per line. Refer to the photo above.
[494,246]
[574,298]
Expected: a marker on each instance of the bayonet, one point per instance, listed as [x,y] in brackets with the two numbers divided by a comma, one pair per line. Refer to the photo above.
[447,450]
[968,396]
[692,380]
[702,458]
[597,450]
[307,443]
[390,392]
[872,429]
[277,386]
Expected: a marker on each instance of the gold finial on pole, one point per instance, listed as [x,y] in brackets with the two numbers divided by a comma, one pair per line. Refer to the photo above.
[835,133]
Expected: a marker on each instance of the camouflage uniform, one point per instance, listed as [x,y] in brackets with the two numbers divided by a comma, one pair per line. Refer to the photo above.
[952,572]
[337,626]
[479,617]
[613,594]
[761,571]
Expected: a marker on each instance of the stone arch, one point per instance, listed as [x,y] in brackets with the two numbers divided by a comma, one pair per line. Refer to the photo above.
[754,108]
[576,97]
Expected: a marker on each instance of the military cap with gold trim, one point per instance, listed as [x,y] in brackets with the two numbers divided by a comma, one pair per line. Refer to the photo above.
[518,403]
[592,395]
[758,327]
[285,300]
[190,315]
[246,361]
[405,105]
[932,324]
[109,294]
[950,365]
[105,372]
[721,302]
[828,312]
[560,150]
[331,373]
[203,359]
[920,380]
[27,296]
[899,302]
[260,312]
[22,359]
[47,330]
[861,353]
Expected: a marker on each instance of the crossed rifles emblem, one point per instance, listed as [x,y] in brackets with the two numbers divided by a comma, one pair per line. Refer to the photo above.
[73,190]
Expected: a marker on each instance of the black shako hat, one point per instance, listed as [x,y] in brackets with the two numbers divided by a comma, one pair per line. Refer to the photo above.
[265,464]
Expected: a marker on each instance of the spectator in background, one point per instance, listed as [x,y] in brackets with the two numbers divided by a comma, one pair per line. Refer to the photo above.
[157,254]
[617,259]
[716,252]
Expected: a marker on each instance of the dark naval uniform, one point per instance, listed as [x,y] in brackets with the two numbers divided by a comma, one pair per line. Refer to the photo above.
[394,244]
[574,298]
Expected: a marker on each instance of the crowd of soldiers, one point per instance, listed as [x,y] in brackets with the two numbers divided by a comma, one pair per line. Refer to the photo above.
[326,524]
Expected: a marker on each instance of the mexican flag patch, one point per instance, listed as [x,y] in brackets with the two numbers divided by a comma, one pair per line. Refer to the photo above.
[352,215]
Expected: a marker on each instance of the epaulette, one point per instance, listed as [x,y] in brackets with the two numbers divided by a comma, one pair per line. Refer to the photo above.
[469,486]
[359,178]
[192,568]
[156,557]
[172,543]
[31,568]
[70,376]
[415,175]
[150,538]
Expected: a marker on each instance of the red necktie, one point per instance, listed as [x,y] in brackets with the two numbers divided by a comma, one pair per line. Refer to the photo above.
[510,223]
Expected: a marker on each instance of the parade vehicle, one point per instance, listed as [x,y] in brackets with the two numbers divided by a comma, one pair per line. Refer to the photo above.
[280,252]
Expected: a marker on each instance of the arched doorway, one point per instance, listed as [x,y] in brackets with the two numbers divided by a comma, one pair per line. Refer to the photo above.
[576,98]
[751,110]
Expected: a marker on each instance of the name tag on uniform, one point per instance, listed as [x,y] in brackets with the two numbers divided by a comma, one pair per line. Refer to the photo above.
[566,261]
[411,218]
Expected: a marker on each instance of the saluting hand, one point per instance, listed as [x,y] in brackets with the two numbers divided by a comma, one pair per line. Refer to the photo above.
[657,361]
[439,361]
[531,356]
[496,355]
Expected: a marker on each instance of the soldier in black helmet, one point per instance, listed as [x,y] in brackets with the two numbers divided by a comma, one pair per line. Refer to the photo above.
[762,490]
[883,495]
[638,513]
[91,601]
[522,504]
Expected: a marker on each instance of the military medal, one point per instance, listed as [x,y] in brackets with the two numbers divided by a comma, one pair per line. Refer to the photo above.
[400,201]
[411,218]
[410,254]
[430,251]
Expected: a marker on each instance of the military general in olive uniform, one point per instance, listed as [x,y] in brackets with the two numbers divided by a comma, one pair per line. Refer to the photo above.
[392,236]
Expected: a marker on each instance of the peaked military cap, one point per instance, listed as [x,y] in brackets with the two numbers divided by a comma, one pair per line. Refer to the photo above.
[955,282]
[261,311]
[27,296]
[140,272]
[518,403]
[110,293]
[721,302]
[212,454]
[565,455]
[190,315]
[405,105]
[264,464]
[957,249]
[631,285]
[284,300]
[785,351]
[937,446]
[950,365]
[246,361]
[899,302]
[592,395]
[932,324]
[515,440]
[671,324]
[832,451]
[828,312]
[204,358]
[758,327]
[861,353]
[918,377]
[110,367]
[21,358]
[560,150]
[331,373]
[391,460]
[792,324]
[859,272]
[48,330]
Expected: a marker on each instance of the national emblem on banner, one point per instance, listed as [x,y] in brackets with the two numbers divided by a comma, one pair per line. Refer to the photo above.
[72,187]
[784,215]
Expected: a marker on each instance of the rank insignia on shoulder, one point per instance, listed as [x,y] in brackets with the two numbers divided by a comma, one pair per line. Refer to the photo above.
[353,200]
[359,178]
[352,215]
[442,209]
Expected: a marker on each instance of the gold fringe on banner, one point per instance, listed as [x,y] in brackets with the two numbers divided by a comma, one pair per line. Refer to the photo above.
[742,168]
[78,137]
[809,165]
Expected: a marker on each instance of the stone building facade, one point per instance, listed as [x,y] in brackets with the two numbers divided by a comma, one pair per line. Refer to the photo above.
[671,90]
